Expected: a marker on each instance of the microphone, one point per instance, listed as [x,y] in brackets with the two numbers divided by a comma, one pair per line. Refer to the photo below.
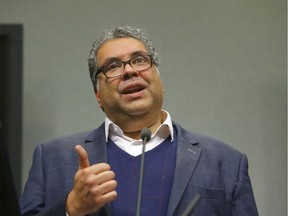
[145,136]
[189,210]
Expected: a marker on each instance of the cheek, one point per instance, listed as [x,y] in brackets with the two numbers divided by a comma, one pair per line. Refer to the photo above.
[156,80]
[107,85]
[107,92]
[110,84]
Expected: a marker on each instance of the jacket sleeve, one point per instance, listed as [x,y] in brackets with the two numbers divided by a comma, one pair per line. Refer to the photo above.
[243,203]
[32,201]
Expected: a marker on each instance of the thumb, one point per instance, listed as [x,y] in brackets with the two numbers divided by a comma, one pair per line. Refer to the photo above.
[82,157]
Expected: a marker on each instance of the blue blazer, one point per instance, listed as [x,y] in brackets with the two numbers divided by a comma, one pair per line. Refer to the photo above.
[204,166]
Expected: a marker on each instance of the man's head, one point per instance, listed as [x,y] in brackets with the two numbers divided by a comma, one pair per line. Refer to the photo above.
[118,32]
[129,87]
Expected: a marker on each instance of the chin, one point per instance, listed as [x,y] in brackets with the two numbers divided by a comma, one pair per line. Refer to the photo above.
[138,110]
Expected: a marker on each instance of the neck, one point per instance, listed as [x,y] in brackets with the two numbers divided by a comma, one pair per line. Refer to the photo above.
[132,126]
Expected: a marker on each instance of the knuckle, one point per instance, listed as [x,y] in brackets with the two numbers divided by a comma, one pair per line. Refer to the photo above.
[89,182]
[96,191]
[83,172]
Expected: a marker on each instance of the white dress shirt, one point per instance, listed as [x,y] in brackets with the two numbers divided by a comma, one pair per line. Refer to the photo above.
[134,147]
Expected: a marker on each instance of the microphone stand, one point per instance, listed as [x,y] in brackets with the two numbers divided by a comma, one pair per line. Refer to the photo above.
[145,136]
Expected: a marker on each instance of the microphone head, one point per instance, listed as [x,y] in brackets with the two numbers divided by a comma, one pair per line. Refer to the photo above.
[145,133]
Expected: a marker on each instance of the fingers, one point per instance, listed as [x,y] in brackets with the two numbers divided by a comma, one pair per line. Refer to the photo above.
[82,157]
[94,186]
[100,178]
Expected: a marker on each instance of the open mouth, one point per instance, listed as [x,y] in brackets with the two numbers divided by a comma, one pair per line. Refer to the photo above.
[133,89]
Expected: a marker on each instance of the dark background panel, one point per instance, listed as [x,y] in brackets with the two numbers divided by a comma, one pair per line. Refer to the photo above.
[11,64]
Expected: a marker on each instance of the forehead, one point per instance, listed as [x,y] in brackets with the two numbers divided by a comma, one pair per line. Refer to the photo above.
[119,48]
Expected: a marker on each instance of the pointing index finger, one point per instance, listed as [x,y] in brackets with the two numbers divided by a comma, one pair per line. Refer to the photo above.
[82,157]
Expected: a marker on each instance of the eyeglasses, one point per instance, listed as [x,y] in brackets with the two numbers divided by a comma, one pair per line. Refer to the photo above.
[115,68]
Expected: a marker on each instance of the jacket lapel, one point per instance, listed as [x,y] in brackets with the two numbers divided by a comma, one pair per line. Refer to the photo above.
[187,157]
[96,146]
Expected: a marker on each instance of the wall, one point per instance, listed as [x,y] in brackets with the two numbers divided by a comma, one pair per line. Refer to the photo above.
[223,64]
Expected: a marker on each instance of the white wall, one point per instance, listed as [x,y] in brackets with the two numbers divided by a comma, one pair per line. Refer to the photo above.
[223,65]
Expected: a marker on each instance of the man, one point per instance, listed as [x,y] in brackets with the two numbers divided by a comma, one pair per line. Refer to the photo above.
[97,172]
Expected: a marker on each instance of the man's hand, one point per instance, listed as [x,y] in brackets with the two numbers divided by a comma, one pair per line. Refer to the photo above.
[94,186]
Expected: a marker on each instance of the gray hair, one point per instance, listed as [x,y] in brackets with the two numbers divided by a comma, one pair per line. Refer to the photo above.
[118,32]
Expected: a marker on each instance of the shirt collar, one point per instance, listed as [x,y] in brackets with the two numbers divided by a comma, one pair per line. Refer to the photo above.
[166,128]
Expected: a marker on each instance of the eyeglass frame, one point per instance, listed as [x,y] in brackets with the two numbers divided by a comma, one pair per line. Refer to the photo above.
[101,69]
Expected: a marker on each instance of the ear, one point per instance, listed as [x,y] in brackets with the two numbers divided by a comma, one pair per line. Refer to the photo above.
[98,99]
[163,87]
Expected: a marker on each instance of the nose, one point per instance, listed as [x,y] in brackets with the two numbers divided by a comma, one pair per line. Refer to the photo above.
[129,72]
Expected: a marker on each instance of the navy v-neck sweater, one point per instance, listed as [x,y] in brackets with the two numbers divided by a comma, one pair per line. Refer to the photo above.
[157,182]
